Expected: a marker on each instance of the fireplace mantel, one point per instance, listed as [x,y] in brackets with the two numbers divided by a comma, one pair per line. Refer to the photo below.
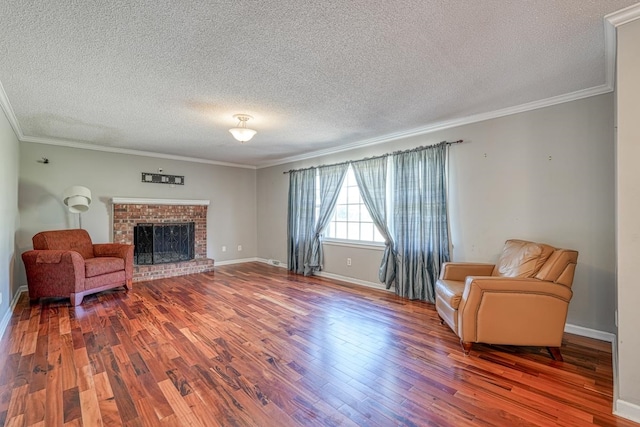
[142,201]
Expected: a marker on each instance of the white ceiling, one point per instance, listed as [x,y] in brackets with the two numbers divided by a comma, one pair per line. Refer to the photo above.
[166,76]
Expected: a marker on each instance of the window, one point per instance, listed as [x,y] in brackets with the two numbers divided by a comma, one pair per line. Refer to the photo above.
[352,221]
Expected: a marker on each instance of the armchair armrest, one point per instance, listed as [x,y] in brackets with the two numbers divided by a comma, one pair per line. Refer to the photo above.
[516,311]
[460,270]
[53,272]
[118,250]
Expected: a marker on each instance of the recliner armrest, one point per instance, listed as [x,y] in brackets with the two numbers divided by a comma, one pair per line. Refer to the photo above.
[508,310]
[515,284]
[460,270]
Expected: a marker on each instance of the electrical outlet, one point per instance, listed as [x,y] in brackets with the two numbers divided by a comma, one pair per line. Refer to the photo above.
[349,261]
[239,248]
[224,249]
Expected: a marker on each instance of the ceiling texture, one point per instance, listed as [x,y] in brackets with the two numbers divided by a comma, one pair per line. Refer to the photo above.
[166,76]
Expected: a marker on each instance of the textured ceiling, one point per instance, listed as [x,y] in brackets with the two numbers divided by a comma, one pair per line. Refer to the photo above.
[167,76]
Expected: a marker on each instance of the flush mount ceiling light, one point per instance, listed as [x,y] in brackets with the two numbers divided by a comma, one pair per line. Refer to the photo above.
[241,132]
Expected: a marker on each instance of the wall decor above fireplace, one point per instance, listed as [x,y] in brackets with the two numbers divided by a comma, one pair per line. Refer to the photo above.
[158,178]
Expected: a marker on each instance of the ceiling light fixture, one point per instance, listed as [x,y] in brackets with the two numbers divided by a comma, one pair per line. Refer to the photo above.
[241,132]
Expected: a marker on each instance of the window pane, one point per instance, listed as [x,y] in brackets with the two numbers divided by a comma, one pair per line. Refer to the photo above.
[364,214]
[353,231]
[341,230]
[341,213]
[377,237]
[354,195]
[354,212]
[342,197]
[366,231]
[331,230]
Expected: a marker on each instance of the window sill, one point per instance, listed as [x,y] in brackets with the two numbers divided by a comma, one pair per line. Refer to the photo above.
[354,244]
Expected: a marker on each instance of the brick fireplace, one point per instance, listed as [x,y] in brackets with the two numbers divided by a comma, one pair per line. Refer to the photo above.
[128,212]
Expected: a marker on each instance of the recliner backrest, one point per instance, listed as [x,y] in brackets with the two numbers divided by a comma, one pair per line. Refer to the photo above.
[521,258]
[560,267]
[67,240]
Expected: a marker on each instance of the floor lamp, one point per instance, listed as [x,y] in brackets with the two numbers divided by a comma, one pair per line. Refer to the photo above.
[77,199]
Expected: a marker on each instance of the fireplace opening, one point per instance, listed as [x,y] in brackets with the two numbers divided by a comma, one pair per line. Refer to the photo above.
[163,243]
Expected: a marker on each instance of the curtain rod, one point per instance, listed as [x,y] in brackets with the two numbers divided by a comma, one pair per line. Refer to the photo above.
[422,147]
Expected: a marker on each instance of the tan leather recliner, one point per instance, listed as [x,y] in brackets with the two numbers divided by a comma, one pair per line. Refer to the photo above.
[521,300]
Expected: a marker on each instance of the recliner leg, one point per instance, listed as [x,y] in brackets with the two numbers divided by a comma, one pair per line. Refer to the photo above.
[555,353]
[466,347]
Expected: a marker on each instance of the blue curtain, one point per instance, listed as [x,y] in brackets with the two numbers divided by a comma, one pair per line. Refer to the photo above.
[301,218]
[419,224]
[371,176]
[331,179]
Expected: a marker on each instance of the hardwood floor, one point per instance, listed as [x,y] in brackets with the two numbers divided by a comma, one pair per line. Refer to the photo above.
[251,345]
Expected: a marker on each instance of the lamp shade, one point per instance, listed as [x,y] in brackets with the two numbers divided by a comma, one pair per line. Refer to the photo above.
[77,199]
[242,134]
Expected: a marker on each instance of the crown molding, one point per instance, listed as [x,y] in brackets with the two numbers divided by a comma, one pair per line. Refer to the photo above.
[623,16]
[560,99]
[8,111]
[611,22]
[85,146]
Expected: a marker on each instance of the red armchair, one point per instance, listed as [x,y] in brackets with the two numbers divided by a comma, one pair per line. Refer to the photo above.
[66,263]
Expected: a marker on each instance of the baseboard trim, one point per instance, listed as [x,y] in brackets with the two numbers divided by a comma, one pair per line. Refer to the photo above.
[332,276]
[7,317]
[272,262]
[627,410]
[366,283]
[589,333]
[236,261]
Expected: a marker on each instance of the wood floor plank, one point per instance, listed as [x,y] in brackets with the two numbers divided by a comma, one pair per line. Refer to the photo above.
[254,345]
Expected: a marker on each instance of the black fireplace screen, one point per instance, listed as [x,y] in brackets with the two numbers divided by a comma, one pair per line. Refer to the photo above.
[162,243]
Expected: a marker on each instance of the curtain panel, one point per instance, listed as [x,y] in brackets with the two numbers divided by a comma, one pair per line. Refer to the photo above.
[331,179]
[419,223]
[371,176]
[301,218]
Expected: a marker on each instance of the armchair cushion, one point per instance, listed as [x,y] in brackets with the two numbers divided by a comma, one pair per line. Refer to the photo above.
[102,265]
[522,259]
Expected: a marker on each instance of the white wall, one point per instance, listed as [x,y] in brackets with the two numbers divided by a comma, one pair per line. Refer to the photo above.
[545,175]
[231,216]
[8,216]
[628,215]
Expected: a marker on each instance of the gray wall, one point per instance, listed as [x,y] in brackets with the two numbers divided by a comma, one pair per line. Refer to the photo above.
[628,212]
[545,175]
[231,217]
[8,216]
